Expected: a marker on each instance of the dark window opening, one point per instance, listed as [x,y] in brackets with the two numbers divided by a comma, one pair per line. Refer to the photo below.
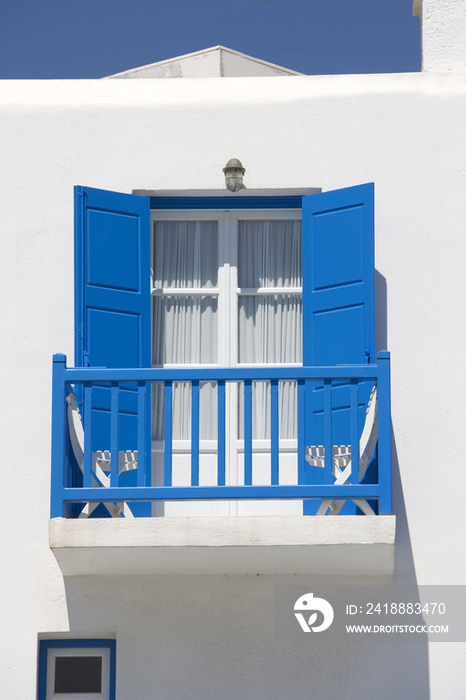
[78,674]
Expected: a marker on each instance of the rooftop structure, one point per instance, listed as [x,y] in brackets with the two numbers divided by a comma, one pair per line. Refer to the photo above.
[215,62]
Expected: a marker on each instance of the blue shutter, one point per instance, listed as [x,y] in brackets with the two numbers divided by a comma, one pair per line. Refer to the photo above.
[112,303]
[338,305]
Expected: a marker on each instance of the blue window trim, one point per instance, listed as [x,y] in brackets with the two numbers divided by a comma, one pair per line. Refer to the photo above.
[228,202]
[46,644]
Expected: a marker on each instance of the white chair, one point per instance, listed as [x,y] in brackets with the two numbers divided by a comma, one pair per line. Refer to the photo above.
[127,460]
[341,460]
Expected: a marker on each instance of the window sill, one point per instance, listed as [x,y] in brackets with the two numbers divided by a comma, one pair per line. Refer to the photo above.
[345,545]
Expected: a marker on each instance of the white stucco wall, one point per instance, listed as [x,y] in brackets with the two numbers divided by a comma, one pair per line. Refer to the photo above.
[443,44]
[211,637]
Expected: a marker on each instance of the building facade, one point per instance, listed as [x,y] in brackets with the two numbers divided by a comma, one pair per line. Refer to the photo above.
[184,603]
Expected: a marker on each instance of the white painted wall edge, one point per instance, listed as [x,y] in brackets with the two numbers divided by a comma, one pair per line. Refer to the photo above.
[353,545]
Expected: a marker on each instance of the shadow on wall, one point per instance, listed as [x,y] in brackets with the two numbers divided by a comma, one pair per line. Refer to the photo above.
[206,637]
[404,563]
[381,321]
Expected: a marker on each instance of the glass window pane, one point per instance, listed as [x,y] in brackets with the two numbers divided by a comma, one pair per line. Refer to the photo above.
[269,328]
[269,254]
[185,254]
[184,330]
[181,411]
[261,415]
[78,674]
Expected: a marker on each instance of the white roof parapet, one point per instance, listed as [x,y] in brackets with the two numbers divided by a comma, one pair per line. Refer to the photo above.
[215,62]
[443,32]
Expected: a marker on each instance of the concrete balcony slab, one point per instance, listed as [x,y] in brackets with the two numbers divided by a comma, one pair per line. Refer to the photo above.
[353,545]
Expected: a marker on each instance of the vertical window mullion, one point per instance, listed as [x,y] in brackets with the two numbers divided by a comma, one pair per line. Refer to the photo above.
[231,339]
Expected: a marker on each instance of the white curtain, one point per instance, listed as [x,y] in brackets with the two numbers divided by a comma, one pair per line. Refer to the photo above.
[185,325]
[269,326]
[269,254]
[185,254]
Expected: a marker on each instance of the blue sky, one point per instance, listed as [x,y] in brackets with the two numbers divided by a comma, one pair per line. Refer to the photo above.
[95,38]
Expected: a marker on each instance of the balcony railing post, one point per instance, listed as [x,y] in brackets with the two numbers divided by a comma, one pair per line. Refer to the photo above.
[384,424]
[143,458]
[194,433]
[354,431]
[301,389]
[221,433]
[328,442]
[114,433]
[274,433]
[248,432]
[167,445]
[58,435]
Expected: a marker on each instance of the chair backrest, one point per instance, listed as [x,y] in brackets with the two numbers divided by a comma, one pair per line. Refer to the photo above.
[369,435]
[341,454]
[76,430]
[99,478]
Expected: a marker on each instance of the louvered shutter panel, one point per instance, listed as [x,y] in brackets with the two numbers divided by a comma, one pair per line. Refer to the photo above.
[338,306]
[112,273]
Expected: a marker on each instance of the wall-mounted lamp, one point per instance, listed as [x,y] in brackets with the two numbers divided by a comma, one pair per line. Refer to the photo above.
[234,172]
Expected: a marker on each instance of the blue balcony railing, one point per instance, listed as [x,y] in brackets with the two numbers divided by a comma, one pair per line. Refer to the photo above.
[72,486]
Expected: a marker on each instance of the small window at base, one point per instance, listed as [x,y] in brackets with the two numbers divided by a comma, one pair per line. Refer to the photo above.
[82,669]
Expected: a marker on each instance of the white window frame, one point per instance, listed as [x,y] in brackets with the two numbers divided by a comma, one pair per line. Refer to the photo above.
[64,647]
[227,293]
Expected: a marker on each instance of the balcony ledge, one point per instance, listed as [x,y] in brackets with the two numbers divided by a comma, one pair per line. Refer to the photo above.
[348,545]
